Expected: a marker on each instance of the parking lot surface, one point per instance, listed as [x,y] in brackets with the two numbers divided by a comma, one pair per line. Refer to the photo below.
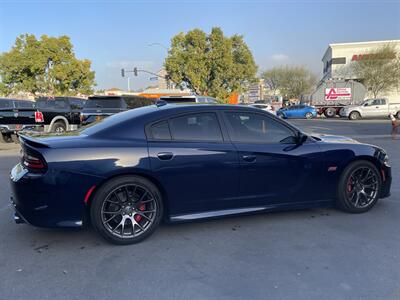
[309,254]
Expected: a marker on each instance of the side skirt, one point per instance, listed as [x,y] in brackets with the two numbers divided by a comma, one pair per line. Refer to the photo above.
[248,210]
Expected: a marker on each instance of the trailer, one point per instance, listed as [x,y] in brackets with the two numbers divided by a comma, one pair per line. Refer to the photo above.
[332,95]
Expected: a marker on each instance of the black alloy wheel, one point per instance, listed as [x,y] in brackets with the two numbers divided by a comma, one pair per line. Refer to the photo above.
[359,187]
[126,209]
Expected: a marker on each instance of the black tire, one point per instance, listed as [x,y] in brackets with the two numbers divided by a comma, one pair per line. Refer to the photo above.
[354,115]
[309,115]
[59,127]
[280,116]
[125,197]
[330,112]
[398,115]
[359,197]
[2,138]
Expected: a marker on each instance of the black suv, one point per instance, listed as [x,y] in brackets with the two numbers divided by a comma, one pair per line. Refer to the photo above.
[99,107]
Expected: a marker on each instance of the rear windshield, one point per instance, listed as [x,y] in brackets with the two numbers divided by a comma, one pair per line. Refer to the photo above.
[103,103]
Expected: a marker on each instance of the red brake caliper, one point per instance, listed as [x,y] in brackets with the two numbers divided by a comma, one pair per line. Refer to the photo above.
[139,217]
[349,188]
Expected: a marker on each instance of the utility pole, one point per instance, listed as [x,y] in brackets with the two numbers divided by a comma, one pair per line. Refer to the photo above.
[129,84]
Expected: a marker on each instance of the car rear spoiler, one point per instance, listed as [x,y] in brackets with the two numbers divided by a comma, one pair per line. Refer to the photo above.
[31,141]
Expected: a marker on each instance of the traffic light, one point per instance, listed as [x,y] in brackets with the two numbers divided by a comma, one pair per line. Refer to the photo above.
[135,71]
[123,72]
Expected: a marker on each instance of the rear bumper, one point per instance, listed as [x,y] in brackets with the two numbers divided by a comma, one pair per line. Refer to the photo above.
[54,199]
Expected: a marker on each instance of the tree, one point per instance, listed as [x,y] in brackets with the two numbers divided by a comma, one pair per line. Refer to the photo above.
[47,66]
[212,65]
[378,70]
[273,78]
[290,81]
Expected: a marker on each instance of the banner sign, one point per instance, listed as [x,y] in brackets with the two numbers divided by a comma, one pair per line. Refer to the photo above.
[338,94]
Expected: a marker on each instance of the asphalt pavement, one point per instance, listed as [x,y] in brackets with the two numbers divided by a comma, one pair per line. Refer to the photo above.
[308,254]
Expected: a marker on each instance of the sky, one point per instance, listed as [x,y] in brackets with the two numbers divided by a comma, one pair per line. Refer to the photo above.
[125,34]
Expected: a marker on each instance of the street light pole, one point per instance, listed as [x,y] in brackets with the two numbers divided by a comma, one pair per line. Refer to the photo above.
[129,84]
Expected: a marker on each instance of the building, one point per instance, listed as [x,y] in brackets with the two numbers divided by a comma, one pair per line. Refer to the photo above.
[254,92]
[338,58]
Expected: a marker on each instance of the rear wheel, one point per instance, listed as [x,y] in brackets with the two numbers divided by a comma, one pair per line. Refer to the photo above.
[126,209]
[354,115]
[359,187]
[4,138]
[59,127]
[309,115]
[330,112]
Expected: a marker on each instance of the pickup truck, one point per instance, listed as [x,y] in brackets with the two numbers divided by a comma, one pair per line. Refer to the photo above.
[15,115]
[371,108]
[100,107]
[54,114]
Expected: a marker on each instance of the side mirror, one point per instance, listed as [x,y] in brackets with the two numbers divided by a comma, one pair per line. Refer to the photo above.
[301,138]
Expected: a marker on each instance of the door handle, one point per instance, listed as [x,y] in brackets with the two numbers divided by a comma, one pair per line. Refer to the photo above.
[165,155]
[249,158]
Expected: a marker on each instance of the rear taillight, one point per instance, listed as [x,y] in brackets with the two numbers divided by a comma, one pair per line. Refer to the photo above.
[33,162]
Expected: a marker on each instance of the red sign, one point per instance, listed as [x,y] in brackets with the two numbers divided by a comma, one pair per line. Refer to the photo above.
[39,117]
[338,94]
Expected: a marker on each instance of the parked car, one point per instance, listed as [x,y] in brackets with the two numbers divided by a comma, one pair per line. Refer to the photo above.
[188,162]
[188,99]
[58,114]
[297,111]
[371,108]
[100,107]
[15,115]
[267,107]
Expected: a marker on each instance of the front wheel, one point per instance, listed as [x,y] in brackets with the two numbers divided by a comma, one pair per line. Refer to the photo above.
[354,115]
[126,210]
[309,115]
[359,187]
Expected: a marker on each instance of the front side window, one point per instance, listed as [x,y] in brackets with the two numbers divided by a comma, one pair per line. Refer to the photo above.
[196,127]
[257,128]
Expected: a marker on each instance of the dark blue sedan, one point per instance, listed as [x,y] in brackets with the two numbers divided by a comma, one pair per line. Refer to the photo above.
[189,162]
[297,112]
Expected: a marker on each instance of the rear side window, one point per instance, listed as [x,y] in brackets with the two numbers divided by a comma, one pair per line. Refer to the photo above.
[76,103]
[52,104]
[160,131]
[196,127]
[4,103]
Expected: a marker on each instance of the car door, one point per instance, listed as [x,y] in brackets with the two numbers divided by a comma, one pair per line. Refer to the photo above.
[382,108]
[291,111]
[194,162]
[368,109]
[274,168]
